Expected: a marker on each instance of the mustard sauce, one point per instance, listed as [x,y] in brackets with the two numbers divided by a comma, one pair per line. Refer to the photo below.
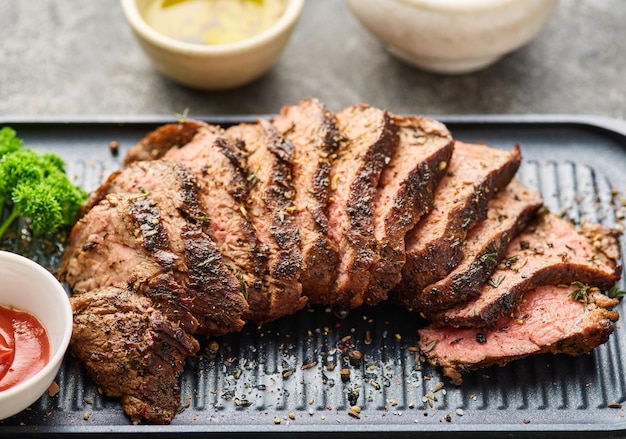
[213,22]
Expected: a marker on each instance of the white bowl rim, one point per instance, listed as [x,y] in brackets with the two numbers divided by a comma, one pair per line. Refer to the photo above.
[290,16]
[458,5]
[57,357]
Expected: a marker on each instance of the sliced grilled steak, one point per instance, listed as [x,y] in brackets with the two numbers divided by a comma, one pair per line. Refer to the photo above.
[219,166]
[548,252]
[191,257]
[271,212]
[156,143]
[405,193]
[549,320]
[131,351]
[368,139]
[100,246]
[485,247]
[312,129]
[434,247]
[121,242]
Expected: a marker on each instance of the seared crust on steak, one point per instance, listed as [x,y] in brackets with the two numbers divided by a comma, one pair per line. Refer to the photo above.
[405,193]
[312,129]
[220,168]
[550,251]
[271,212]
[368,139]
[435,246]
[156,199]
[131,351]
[485,247]
[549,320]
[122,242]
[156,143]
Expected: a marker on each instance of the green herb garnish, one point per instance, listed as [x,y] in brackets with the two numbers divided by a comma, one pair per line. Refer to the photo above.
[496,282]
[34,186]
[252,178]
[581,293]
[616,293]
[509,262]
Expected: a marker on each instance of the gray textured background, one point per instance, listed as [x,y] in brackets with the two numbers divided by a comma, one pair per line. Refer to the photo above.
[71,57]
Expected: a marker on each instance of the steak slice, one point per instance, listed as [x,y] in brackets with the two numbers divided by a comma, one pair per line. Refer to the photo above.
[271,212]
[434,247]
[121,242]
[218,300]
[312,129]
[100,247]
[219,165]
[548,252]
[549,320]
[405,193]
[131,351]
[192,258]
[509,212]
[368,140]
[156,143]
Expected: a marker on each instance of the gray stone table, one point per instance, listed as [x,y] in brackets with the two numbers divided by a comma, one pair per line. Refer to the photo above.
[70,57]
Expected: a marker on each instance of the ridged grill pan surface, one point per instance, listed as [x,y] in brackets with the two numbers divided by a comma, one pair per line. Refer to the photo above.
[286,377]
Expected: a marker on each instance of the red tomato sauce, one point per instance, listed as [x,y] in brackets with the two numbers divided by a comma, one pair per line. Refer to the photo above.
[24,346]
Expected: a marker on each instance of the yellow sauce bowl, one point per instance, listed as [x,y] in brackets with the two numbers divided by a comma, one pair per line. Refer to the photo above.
[212,66]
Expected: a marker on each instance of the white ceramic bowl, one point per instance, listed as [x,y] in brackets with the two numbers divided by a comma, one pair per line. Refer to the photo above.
[212,67]
[29,287]
[452,36]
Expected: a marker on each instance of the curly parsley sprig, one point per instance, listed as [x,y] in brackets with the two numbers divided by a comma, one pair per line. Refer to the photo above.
[35,186]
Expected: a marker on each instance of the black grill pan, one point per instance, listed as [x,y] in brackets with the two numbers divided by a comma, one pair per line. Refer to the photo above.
[285,379]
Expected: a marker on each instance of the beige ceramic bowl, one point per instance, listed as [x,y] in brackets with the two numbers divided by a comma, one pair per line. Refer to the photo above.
[212,67]
[30,287]
[452,36]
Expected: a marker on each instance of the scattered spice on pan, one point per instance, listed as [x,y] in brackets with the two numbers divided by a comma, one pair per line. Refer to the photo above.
[374,384]
[345,374]
[355,357]
[309,365]
[368,337]
[429,399]
[114,148]
[53,389]
[355,412]
[437,387]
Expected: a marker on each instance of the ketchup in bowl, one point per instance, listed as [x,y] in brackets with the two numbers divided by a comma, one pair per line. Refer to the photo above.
[24,346]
